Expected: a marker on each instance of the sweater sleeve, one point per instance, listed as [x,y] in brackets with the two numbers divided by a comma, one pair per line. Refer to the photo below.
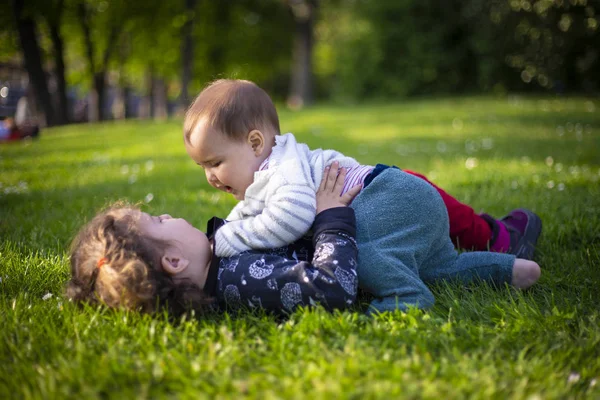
[287,215]
[280,281]
[236,212]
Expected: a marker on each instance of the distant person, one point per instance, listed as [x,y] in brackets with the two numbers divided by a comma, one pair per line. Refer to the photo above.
[9,131]
[6,128]
[232,132]
[26,124]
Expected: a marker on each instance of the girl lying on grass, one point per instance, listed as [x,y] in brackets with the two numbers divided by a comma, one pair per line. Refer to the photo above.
[125,258]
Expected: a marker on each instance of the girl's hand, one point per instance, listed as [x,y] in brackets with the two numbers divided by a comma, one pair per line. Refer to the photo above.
[329,193]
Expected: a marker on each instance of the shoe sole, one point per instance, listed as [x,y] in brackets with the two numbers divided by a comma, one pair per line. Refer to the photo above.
[526,246]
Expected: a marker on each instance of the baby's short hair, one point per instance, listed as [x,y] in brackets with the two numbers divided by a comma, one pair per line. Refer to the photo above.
[233,107]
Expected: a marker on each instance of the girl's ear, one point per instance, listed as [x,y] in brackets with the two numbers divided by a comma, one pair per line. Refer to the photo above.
[256,139]
[172,261]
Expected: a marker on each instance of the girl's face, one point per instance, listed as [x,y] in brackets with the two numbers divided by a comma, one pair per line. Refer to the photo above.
[188,253]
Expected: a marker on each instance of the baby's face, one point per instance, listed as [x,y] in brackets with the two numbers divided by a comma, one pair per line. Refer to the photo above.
[191,244]
[229,164]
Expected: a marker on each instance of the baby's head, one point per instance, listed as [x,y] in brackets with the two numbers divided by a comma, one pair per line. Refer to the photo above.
[127,259]
[229,131]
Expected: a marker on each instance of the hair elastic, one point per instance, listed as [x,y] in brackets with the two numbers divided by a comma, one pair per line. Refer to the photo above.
[101,262]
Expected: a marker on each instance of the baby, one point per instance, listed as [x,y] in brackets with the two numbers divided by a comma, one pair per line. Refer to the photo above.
[232,132]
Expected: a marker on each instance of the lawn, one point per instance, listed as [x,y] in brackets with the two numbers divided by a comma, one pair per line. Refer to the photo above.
[478,342]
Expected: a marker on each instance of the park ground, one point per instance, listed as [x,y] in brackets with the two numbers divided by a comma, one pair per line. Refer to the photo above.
[495,154]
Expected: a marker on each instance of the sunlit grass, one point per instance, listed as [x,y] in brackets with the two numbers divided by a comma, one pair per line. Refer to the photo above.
[495,154]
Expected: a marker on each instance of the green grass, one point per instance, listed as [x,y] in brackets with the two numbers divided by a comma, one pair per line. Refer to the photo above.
[477,342]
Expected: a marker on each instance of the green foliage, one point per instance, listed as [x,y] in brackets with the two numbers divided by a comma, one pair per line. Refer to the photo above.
[245,40]
[397,48]
[363,49]
[477,342]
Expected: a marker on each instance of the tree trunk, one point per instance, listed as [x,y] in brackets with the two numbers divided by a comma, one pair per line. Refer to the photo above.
[216,52]
[100,89]
[120,108]
[128,112]
[33,60]
[62,113]
[146,108]
[187,55]
[97,95]
[93,101]
[161,111]
[301,91]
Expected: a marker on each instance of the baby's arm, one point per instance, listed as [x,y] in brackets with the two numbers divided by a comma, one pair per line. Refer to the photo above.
[236,212]
[287,216]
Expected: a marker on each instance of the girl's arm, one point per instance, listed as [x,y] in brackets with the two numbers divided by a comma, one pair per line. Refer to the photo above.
[282,279]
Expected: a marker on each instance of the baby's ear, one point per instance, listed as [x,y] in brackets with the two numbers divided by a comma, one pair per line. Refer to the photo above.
[173,263]
[256,139]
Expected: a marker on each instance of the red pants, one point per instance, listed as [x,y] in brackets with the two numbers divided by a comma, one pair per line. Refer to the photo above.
[468,230]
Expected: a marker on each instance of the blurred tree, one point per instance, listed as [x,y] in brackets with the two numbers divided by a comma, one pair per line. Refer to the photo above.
[550,44]
[101,23]
[27,31]
[392,48]
[245,39]
[9,38]
[301,84]
[52,13]
[120,107]
[187,53]
[154,29]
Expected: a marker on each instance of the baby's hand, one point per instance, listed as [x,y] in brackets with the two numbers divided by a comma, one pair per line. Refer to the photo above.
[328,195]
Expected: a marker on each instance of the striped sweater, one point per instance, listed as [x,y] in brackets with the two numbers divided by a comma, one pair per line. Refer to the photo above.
[280,205]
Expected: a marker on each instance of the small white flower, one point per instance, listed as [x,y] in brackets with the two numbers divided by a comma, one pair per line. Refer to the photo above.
[132,179]
[471,163]
[589,106]
[47,296]
[149,197]
[457,124]
[149,165]
[574,377]
[558,167]
[125,169]
[487,143]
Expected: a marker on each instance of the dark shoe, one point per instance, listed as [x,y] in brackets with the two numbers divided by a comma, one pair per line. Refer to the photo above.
[525,228]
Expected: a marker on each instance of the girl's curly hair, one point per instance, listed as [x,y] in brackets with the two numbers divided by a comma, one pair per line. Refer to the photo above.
[114,264]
